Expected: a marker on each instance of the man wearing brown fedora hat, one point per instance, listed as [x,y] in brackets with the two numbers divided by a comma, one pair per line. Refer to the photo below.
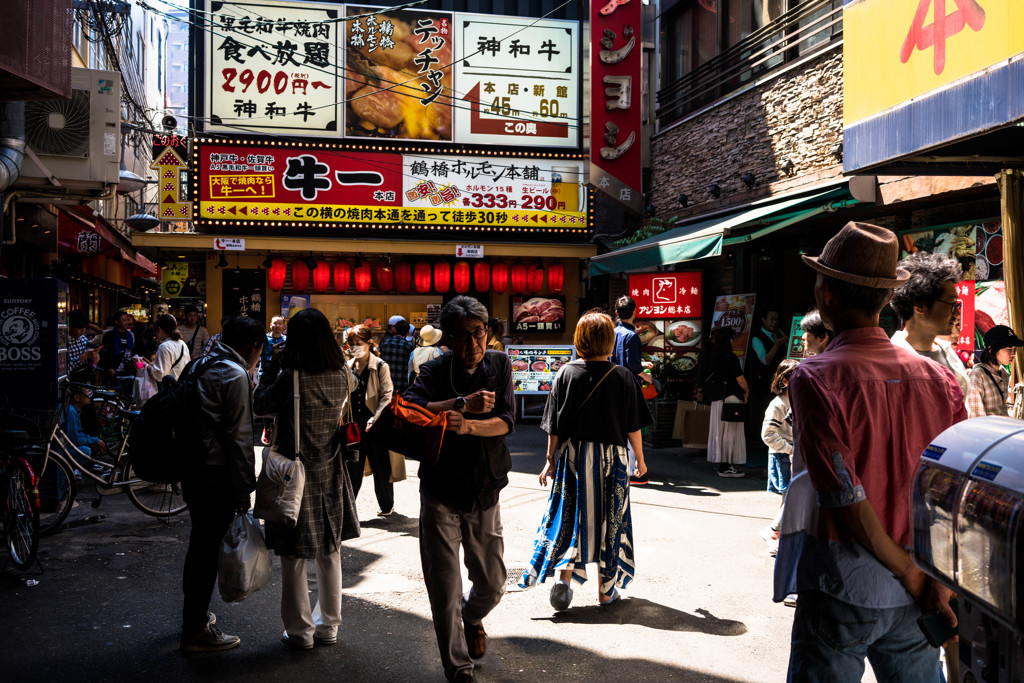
[863,411]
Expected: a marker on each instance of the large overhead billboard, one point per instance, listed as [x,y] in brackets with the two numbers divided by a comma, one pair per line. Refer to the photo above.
[248,184]
[355,71]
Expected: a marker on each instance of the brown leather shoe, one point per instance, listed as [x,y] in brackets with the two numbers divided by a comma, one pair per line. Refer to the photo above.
[464,676]
[476,640]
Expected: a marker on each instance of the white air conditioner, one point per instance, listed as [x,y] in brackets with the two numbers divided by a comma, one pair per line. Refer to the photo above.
[77,139]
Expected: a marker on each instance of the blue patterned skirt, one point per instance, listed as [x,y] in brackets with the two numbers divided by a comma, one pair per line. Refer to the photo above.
[587,518]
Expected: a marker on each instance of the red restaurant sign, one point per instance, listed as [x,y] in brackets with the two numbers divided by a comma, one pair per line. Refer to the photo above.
[666,295]
[616,96]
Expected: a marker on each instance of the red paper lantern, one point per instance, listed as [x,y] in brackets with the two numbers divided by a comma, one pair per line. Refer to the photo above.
[342,276]
[519,278]
[403,277]
[556,278]
[385,276]
[482,276]
[442,276]
[499,277]
[278,270]
[461,277]
[422,277]
[536,282]
[300,276]
[363,277]
[322,276]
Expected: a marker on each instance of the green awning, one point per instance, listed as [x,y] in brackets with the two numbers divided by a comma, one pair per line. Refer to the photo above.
[706,238]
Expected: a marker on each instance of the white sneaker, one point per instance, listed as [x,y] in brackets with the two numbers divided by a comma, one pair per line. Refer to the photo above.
[731,472]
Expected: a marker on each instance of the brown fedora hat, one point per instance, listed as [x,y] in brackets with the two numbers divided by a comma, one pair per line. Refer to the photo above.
[861,254]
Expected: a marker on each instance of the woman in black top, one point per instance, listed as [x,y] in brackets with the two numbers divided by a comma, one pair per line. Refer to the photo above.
[720,380]
[593,410]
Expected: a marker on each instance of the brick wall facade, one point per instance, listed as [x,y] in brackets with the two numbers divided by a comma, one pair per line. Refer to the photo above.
[797,115]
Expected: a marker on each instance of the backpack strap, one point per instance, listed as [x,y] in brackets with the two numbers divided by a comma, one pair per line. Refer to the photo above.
[988,372]
[580,407]
[180,356]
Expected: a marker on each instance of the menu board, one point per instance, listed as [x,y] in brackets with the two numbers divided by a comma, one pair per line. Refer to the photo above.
[797,350]
[735,311]
[534,367]
[672,345]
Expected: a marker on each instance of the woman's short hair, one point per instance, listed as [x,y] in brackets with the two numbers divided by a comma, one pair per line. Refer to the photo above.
[496,326]
[169,324]
[311,346]
[363,333]
[813,325]
[595,335]
[780,382]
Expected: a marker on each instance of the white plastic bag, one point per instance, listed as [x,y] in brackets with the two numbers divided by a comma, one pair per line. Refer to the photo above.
[244,566]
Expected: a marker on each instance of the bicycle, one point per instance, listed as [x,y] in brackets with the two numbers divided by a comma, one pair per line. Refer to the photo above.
[19,516]
[61,464]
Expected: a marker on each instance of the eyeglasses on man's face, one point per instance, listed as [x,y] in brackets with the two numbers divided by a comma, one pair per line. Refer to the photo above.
[954,305]
[461,336]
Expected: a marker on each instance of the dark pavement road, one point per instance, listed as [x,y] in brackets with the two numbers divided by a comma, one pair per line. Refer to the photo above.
[108,598]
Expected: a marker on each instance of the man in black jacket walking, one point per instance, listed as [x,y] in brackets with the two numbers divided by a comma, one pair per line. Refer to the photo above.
[459,493]
[226,477]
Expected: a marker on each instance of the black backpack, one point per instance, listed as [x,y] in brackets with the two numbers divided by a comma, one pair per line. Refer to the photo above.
[165,442]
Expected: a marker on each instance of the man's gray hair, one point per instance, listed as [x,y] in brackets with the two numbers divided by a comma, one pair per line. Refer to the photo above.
[460,309]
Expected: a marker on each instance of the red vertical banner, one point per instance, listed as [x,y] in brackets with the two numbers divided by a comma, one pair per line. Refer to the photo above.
[965,295]
[616,106]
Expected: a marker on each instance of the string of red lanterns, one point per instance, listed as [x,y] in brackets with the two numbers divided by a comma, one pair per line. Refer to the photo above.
[405,277]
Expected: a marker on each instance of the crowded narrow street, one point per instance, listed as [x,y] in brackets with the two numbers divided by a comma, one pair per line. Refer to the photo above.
[108,598]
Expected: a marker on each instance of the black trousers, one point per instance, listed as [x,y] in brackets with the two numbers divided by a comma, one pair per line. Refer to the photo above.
[211,507]
[380,464]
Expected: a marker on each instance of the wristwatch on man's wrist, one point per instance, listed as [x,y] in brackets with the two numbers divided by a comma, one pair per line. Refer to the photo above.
[460,403]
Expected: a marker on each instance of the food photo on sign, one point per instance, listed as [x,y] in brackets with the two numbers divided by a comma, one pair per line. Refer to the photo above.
[538,313]
[735,311]
[534,367]
[398,74]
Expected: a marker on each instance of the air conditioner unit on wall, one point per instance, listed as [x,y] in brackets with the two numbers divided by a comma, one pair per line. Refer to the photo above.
[77,139]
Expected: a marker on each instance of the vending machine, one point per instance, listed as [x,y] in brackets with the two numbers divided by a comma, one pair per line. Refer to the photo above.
[968,508]
[33,341]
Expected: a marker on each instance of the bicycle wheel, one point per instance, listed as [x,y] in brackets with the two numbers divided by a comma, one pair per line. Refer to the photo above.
[21,514]
[57,491]
[159,500]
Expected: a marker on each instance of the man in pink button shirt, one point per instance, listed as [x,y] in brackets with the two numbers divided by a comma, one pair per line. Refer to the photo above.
[863,410]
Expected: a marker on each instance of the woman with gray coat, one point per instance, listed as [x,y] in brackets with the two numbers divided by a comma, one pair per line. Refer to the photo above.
[369,399]
[323,389]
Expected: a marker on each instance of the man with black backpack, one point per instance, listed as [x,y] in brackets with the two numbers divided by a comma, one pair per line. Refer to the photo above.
[223,475]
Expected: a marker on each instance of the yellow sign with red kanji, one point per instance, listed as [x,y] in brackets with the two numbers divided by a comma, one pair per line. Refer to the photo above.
[174,206]
[895,51]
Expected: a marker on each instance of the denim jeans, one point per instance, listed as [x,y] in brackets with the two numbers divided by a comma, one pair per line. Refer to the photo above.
[831,639]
